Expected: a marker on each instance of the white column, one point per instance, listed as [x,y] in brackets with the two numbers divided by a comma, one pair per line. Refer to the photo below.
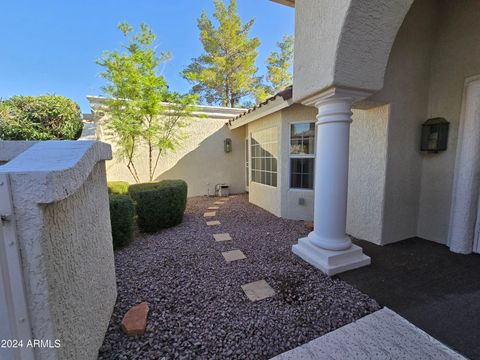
[331,174]
[328,247]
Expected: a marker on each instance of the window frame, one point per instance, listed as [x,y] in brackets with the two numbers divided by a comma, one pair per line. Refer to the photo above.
[277,171]
[301,156]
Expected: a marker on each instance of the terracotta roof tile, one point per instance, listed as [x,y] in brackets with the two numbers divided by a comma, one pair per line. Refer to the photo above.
[286,94]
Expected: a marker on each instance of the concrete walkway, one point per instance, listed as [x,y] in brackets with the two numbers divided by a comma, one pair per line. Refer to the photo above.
[381,335]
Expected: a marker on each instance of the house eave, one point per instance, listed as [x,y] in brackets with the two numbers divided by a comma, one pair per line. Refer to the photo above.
[273,106]
[290,3]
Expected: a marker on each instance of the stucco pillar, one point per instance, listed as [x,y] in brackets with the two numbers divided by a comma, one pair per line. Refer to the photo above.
[328,247]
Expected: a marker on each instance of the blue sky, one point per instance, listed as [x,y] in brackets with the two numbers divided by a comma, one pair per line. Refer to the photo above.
[51,46]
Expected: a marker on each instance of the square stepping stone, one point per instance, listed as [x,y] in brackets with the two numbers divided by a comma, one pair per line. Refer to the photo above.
[213,208]
[222,237]
[210,214]
[218,202]
[233,255]
[258,290]
[213,223]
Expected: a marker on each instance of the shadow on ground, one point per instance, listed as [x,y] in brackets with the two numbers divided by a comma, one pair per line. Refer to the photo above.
[433,288]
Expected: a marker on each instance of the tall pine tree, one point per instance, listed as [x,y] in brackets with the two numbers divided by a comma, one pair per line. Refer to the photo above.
[279,65]
[226,73]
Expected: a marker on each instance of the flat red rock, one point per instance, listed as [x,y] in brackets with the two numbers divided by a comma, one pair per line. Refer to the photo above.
[135,320]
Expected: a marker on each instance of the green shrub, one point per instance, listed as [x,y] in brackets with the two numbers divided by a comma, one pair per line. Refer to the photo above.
[46,117]
[117,187]
[159,204]
[122,212]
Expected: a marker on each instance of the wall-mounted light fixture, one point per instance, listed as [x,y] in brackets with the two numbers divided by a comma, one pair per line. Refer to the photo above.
[227,145]
[434,135]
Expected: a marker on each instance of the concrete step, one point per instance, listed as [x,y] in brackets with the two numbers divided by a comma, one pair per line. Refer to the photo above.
[381,335]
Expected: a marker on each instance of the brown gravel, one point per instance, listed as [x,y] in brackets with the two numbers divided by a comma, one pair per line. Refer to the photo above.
[197,307]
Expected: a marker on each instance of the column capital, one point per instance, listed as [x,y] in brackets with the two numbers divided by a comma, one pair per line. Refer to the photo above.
[336,94]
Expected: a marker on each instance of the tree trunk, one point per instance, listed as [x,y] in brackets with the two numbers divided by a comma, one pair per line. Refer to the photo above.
[150,160]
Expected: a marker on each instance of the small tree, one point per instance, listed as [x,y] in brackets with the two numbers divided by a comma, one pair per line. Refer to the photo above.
[143,111]
[226,72]
[279,65]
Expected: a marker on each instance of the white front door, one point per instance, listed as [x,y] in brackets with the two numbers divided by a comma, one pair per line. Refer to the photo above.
[463,234]
[476,240]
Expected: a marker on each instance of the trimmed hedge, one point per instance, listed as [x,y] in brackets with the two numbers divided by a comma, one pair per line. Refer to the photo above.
[159,205]
[45,117]
[117,187]
[122,212]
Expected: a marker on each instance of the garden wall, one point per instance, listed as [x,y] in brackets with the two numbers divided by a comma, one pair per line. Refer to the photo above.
[61,212]
[200,160]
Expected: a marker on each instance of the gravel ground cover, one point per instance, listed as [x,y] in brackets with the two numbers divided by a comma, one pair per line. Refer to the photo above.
[197,307]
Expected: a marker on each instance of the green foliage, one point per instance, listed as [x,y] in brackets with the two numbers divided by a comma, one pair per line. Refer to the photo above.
[226,72]
[279,65]
[122,212]
[45,117]
[117,187]
[143,110]
[159,204]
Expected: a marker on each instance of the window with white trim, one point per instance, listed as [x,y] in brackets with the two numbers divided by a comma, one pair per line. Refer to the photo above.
[264,156]
[302,155]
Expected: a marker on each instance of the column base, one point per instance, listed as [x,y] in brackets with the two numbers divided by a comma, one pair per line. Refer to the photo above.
[329,261]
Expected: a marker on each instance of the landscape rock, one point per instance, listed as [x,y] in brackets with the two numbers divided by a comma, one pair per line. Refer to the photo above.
[135,320]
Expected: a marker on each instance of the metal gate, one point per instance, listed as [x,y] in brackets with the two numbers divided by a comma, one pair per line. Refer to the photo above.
[15,329]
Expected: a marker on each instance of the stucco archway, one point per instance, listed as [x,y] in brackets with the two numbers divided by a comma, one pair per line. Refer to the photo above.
[467,172]
[344,43]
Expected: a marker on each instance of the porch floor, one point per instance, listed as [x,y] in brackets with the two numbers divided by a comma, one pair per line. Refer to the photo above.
[431,287]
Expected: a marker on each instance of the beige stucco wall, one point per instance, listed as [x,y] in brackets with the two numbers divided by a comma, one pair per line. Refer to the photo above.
[368,148]
[316,43]
[343,43]
[367,173]
[62,218]
[455,57]
[435,50]
[200,159]
[268,197]
[77,251]
[406,90]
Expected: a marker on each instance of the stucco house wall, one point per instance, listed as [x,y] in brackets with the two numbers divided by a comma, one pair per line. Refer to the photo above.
[455,57]
[200,159]
[406,91]
[435,50]
[367,173]
[268,197]
[368,151]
